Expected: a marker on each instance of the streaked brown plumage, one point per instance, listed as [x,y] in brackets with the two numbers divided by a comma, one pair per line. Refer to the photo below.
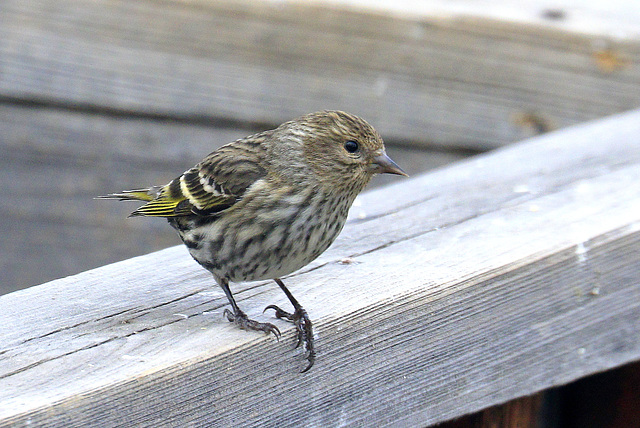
[266,205]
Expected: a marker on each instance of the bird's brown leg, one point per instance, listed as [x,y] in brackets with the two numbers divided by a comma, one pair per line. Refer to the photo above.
[302,322]
[239,318]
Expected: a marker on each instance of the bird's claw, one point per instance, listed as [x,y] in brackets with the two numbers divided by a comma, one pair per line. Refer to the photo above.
[301,320]
[279,312]
[244,322]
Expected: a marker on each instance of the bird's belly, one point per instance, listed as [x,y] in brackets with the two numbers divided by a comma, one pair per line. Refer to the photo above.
[264,247]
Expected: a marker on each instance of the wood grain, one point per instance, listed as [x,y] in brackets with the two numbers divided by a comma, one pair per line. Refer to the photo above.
[464,74]
[446,294]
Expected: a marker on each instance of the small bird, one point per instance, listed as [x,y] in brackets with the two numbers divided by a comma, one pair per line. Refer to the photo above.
[266,205]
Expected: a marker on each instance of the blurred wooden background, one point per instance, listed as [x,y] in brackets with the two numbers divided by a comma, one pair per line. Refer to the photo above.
[100,96]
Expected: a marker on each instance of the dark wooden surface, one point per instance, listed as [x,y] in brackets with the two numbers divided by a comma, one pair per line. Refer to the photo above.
[605,400]
[519,413]
[446,293]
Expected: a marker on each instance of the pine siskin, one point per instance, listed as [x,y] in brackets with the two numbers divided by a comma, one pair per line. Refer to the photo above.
[266,205]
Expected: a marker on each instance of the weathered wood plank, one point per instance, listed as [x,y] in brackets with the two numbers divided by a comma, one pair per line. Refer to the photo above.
[54,162]
[462,74]
[464,288]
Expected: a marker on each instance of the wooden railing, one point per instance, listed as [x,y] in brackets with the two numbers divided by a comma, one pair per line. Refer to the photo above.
[446,293]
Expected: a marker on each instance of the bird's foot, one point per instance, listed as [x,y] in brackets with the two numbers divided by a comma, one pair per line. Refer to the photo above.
[241,319]
[301,320]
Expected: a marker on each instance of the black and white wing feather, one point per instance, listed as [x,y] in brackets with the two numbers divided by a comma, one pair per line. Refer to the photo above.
[213,185]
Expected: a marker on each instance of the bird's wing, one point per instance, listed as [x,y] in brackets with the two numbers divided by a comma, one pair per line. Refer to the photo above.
[213,185]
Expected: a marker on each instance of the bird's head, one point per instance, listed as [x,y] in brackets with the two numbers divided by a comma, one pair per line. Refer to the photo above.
[342,150]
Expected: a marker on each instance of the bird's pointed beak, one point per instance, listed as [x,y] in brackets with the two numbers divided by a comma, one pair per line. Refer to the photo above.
[382,164]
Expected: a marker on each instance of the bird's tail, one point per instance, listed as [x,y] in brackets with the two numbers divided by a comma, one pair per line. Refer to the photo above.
[145,195]
[160,201]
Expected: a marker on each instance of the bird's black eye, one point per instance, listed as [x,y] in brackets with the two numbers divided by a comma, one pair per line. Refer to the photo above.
[351,146]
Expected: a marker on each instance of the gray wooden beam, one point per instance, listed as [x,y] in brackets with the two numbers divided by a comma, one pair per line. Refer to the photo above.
[445,294]
[460,74]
